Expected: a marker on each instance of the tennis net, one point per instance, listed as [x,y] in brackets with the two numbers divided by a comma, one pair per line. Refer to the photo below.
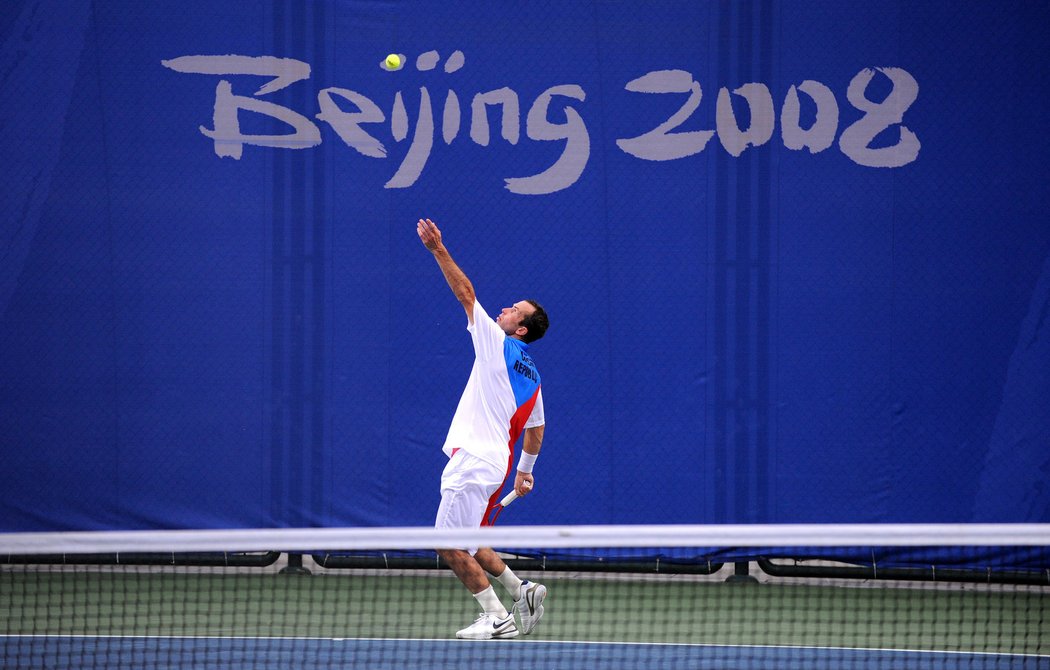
[973,596]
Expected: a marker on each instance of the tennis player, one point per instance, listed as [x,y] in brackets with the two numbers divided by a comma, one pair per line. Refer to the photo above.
[502,399]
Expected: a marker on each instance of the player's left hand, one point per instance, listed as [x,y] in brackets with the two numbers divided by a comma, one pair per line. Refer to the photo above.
[429,234]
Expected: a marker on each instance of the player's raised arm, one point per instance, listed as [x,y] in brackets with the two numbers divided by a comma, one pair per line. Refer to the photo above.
[430,236]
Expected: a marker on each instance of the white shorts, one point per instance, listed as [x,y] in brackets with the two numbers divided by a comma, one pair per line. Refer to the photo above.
[467,485]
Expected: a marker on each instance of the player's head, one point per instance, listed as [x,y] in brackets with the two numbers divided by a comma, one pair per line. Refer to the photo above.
[525,320]
[536,323]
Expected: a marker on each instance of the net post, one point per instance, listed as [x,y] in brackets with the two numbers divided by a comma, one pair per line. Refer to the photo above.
[295,566]
[741,574]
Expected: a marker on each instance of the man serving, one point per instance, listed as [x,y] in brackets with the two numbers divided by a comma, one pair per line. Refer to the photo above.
[502,400]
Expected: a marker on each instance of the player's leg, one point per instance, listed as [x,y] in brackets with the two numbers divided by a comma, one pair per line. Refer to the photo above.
[465,488]
[494,565]
[528,596]
[495,621]
[466,568]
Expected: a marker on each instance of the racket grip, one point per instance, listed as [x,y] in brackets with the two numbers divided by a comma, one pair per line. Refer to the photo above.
[509,498]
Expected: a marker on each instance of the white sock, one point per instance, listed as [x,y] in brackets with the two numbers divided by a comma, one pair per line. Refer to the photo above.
[490,604]
[510,582]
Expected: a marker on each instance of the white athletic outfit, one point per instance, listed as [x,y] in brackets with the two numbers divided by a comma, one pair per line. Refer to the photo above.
[502,398]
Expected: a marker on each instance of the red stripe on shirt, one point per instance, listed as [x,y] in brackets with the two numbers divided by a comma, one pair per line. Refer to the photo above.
[517,425]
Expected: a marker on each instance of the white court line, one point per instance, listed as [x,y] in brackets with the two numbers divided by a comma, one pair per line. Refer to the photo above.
[540,641]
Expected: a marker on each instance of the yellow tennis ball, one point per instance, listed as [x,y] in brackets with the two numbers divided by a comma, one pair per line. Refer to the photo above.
[393,61]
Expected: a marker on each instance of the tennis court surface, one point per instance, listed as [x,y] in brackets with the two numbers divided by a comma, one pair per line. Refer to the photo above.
[672,616]
[274,653]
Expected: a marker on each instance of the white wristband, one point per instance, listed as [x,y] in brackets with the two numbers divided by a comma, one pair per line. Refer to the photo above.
[526,461]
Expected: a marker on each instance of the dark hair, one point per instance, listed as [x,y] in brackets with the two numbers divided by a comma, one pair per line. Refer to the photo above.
[535,323]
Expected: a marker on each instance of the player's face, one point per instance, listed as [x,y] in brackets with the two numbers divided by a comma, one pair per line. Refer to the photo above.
[510,318]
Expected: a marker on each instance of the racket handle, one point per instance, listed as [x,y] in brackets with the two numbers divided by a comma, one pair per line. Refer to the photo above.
[509,498]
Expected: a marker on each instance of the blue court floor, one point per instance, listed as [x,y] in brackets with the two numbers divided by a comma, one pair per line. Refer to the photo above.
[229,653]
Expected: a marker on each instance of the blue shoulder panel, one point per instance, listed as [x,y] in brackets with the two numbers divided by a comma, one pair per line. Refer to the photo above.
[524,377]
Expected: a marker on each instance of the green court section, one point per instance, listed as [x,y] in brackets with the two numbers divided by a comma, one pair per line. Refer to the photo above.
[1000,619]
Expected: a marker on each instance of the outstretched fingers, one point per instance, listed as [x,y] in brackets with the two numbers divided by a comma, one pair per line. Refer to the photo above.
[428,233]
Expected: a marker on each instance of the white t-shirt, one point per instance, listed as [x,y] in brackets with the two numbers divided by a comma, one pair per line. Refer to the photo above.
[502,397]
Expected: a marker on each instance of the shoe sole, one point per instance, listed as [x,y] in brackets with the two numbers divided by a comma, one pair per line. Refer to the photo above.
[529,620]
[499,636]
[508,632]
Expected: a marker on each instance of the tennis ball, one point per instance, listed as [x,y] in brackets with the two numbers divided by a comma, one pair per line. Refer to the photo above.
[393,61]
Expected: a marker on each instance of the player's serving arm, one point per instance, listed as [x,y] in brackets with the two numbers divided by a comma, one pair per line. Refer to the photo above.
[502,400]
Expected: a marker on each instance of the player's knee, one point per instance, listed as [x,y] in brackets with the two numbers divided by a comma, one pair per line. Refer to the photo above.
[453,556]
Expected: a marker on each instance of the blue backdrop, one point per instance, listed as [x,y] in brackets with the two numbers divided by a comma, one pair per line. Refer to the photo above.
[796,257]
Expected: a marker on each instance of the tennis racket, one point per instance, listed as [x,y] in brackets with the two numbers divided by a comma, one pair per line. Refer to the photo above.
[507,499]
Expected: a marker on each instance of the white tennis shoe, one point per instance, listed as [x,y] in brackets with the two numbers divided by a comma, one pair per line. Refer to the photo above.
[529,605]
[489,627]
